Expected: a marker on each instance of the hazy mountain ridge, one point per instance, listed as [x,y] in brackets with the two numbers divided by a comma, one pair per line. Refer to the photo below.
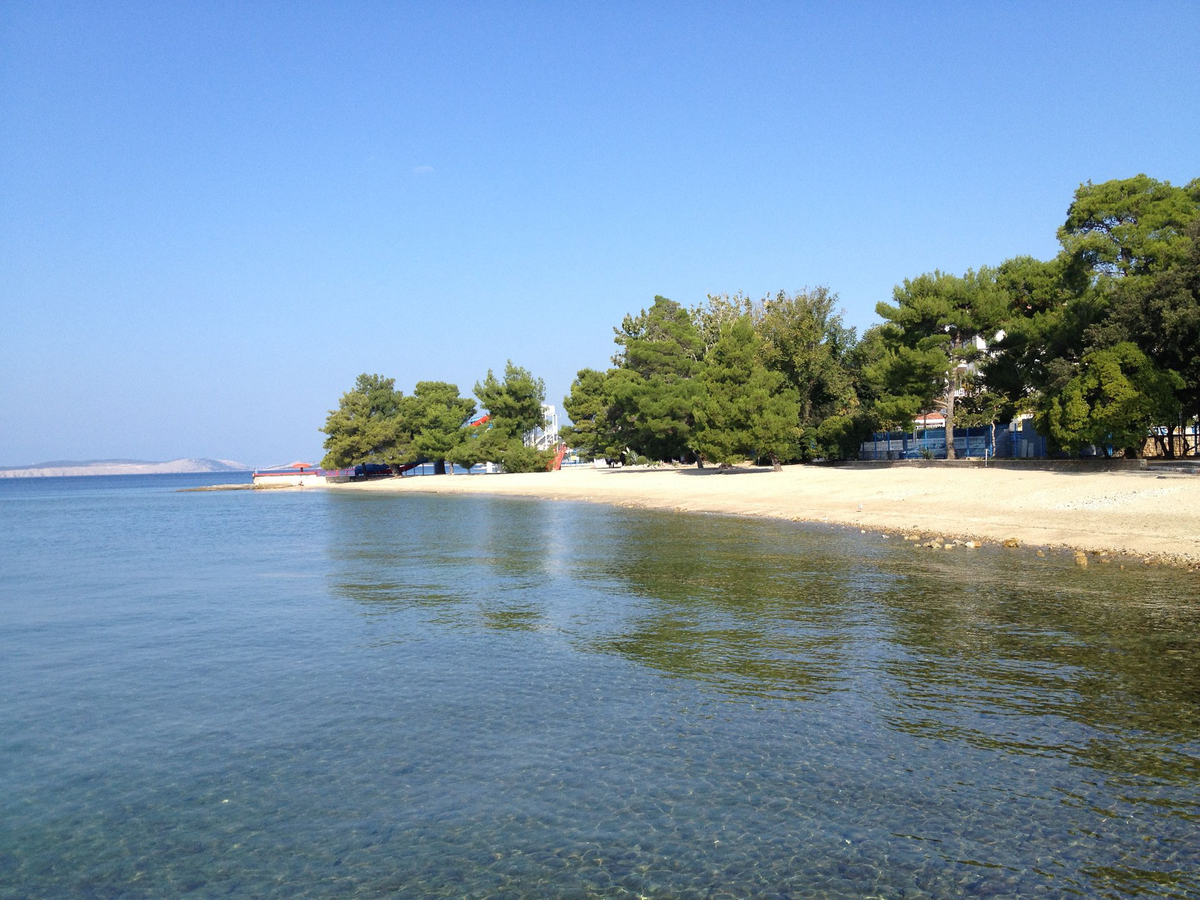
[182,466]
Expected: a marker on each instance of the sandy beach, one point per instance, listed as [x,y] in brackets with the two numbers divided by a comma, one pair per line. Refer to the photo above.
[1136,513]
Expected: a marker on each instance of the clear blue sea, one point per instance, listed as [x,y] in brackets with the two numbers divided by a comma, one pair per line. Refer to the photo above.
[321,694]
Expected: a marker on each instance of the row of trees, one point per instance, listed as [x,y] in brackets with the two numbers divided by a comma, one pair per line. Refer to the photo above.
[375,423]
[724,381]
[1100,344]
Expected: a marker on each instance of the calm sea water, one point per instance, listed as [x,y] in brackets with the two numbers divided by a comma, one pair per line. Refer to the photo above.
[310,694]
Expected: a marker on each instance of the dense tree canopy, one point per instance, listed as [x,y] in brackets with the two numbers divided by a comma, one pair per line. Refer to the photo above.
[1130,226]
[515,408]
[375,423]
[1111,402]
[653,391]
[1122,278]
[514,404]
[743,408]
[1161,316]
[589,405]
[438,418]
[369,425]
[711,383]
[804,340]
[1101,345]
[661,342]
[934,333]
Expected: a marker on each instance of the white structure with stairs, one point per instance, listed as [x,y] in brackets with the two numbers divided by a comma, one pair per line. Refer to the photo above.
[546,437]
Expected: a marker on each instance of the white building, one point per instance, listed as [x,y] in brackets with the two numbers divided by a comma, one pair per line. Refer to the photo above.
[546,437]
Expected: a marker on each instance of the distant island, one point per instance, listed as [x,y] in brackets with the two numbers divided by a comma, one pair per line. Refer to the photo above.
[122,467]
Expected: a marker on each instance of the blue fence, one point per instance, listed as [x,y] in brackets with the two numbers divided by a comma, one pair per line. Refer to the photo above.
[1017,439]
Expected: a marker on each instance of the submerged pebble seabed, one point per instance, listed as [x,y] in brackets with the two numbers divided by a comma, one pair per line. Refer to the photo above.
[308,695]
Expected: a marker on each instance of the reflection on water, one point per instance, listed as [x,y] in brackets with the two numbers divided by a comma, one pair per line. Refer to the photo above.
[480,697]
[1020,662]
[1010,671]
[743,608]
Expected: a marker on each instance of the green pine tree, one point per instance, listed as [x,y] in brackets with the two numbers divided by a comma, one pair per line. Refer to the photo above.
[744,409]
[930,336]
[653,391]
[1112,401]
[439,415]
[369,425]
[515,407]
[590,406]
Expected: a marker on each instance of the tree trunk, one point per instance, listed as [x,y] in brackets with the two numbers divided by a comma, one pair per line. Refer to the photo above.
[950,410]
[439,467]
[775,466]
[699,461]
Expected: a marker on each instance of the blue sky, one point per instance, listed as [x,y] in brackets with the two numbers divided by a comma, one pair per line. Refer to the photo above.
[214,216]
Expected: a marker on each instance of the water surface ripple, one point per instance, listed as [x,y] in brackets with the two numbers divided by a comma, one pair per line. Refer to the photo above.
[315,694]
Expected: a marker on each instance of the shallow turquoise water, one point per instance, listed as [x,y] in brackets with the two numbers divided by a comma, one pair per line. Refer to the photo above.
[258,694]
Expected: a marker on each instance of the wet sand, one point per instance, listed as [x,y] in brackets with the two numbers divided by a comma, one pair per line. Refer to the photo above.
[1138,513]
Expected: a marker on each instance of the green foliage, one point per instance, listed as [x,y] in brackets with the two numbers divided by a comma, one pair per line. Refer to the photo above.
[944,311]
[516,457]
[660,343]
[485,443]
[653,390]
[648,405]
[805,341]
[589,404]
[931,338]
[515,404]
[1031,286]
[438,416]
[1161,315]
[1122,277]
[469,450]
[1128,226]
[744,409]
[839,437]
[515,407]
[652,417]
[1113,399]
[1046,316]
[1100,342]
[864,362]
[906,380]
[369,425]
[718,311]
[980,406]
